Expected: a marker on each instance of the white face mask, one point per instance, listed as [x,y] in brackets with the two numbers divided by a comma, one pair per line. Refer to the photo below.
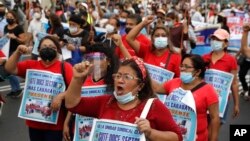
[110,28]
[125,98]
[216,45]
[72,29]
[116,11]
[160,42]
[37,15]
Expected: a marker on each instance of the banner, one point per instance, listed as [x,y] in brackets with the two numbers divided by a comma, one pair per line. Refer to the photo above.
[111,130]
[222,82]
[83,124]
[160,75]
[5,46]
[40,88]
[182,107]
[39,35]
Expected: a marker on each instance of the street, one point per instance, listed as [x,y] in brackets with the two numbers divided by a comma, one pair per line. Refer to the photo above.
[13,128]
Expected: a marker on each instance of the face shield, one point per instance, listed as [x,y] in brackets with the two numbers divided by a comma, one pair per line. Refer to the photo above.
[100,64]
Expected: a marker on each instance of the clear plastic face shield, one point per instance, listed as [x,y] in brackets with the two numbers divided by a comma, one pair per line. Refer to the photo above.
[100,64]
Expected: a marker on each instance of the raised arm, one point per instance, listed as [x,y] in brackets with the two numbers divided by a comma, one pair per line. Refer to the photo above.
[73,93]
[118,42]
[131,36]
[244,41]
[11,64]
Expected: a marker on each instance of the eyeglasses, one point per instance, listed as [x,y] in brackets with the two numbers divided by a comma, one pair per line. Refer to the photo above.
[185,67]
[125,77]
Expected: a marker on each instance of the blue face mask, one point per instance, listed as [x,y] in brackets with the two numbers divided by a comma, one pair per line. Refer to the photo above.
[216,45]
[170,24]
[123,99]
[161,42]
[186,77]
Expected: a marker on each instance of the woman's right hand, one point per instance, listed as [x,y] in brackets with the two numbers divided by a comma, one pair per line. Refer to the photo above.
[66,135]
[82,69]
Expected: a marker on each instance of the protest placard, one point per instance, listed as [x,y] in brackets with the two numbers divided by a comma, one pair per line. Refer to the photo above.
[112,130]
[39,35]
[39,90]
[160,75]
[5,46]
[222,82]
[182,107]
[83,124]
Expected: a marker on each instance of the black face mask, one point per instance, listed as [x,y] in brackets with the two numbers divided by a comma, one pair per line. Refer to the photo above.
[127,30]
[10,21]
[48,54]
[2,13]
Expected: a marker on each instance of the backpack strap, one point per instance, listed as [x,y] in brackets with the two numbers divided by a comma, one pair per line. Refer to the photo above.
[198,86]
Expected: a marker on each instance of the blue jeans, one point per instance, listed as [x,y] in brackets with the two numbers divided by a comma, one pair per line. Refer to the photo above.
[14,83]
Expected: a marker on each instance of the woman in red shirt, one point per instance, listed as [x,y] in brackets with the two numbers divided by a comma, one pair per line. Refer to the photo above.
[132,89]
[219,59]
[158,52]
[192,74]
[49,49]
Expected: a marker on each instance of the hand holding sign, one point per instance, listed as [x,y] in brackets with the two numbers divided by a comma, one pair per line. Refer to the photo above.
[143,126]
[82,69]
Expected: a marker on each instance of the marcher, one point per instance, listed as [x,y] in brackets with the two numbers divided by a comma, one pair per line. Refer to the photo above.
[132,88]
[206,99]
[17,36]
[219,59]
[48,51]
[157,53]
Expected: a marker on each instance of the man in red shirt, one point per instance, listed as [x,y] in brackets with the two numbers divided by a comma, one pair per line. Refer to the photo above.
[131,22]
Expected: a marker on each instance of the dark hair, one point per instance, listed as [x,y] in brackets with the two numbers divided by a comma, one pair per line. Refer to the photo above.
[112,57]
[198,63]
[54,40]
[147,90]
[171,15]
[55,20]
[126,11]
[135,17]
[14,14]
[117,21]
[154,30]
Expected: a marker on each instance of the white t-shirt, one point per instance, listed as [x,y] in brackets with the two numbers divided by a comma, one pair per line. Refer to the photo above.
[35,27]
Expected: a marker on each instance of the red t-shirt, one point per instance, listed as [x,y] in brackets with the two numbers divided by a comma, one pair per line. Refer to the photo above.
[90,82]
[203,97]
[140,38]
[149,57]
[227,63]
[105,107]
[55,68]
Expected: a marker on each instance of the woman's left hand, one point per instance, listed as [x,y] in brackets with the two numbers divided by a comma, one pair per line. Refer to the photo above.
[143,126]
[56,102]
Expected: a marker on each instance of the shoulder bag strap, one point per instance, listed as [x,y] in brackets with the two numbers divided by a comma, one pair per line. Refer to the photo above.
[146,108]
[198,86]
[168,59]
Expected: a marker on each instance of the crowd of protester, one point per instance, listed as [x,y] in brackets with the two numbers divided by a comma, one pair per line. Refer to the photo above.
[123,35]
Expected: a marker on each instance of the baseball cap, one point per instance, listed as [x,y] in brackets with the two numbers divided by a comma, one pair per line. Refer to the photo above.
[84,5]
[161,11]
[221,34]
